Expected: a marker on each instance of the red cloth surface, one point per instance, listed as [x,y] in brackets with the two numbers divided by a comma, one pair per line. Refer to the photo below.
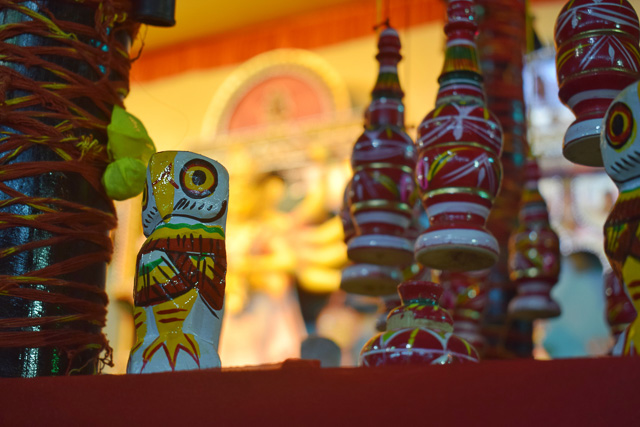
[576,392]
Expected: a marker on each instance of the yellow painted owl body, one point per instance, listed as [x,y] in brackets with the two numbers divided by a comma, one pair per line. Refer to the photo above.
[181,267]
[620,147]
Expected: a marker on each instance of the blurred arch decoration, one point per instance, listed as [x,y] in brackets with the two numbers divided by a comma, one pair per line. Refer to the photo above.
[282,117]
[302,67]
[276,107]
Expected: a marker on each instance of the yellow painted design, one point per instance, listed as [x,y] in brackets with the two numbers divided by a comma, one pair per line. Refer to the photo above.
[389,132]
[468,346]
[158,274]
[204,264]
[387,183]
[169,318]
[412,337]
[438,110]
[382,165]
[140,323]
[439,162]
[404,207]
[7,251]
[209,180]
[458,190]
[629,195]
[206,232]
[162,182]
[631,274]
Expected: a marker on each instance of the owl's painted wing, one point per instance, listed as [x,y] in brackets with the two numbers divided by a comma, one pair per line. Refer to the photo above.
[209,271]
[169,267]
[159,279]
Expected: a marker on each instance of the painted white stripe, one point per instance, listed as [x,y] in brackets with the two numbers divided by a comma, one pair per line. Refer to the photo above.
[534,302]
[382,217]
[388,69]
[537,209]
[384,104]
[465,207]
[381,241]
[589,95]
[582,129]
[359,271]
[524,288]
[460,42]
[421,351]
[457,237]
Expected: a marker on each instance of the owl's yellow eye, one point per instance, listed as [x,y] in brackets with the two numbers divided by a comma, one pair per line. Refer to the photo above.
[145,196]
[198,178]
[620,125]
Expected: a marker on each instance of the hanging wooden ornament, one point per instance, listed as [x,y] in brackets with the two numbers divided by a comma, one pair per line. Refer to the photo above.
[620,310]
[596,57]
[458,168]
[469,293]
[534,254]
[364,278]
[418,332]
[383,161]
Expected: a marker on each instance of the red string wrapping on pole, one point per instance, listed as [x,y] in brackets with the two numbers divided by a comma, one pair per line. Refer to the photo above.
[65,221]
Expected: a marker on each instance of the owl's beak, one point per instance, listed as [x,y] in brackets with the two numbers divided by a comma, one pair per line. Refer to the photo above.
[162,182]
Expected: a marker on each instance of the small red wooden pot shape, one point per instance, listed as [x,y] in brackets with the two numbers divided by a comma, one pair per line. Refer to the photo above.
[620,311]
[418,332]
[469,293]
[596,57]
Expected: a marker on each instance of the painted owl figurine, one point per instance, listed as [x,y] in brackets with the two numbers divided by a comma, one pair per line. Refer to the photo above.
[181,267]
[620,147]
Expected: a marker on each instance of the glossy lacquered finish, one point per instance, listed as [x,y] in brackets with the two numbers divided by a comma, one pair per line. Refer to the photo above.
[365,278]
[534,254]
[383,161]
[418,332]
[596,57]
[468,291]
[458,170]
[620,147]
[180,279]
[620,311]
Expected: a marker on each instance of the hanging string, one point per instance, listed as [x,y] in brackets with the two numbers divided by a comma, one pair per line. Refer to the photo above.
[406,66]
[26,124]
[382,15]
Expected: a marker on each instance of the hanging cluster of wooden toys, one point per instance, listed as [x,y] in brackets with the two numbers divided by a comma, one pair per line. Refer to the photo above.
[598,66]
[380,193]
[458,175]
[534,254]
[596,57]
[378,207]
[507,323]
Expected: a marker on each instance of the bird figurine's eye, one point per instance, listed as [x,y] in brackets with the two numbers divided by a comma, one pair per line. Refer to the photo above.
[620,126]
[145,196]
[198,178]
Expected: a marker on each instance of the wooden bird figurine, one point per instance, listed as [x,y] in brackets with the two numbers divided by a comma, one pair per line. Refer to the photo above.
[620,147]
[181,267]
